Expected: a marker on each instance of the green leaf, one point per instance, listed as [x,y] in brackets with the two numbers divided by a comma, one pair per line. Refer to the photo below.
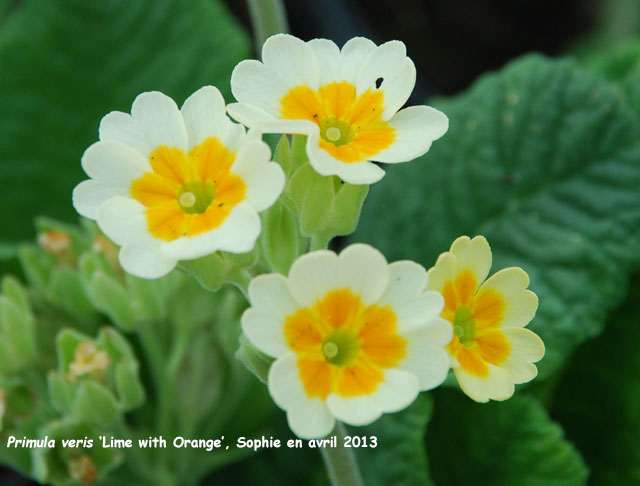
[497,444]
[313,196]
[95,404]
[67,63]
[130,390]
[253,359]
[108,295]
[598,398]
[281,242]
[400,456]
[543,159]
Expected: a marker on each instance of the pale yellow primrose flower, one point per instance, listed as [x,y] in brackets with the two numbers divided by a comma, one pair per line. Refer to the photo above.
[354,337]
[171,184]
[490,349]
[346,101]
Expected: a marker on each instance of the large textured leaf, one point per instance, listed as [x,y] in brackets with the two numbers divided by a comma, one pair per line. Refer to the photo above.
[598,399]
[400,457]
[66,63]
[543,159]
[499,444]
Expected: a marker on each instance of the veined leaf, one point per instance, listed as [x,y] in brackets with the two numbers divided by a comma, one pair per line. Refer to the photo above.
[66,63]
[542,158]
[598,398]
[499,444]
[400,456]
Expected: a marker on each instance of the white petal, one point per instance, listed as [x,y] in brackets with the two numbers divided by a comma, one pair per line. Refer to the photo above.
[270,293]
[308,418]
[496,386]
[313,420]
[254,117]
[416,128]
[122,219]
[397,71]
[419,310]
[114,163]
[265,181]
[264,186]
[426,357]
[237,234]
[365,271]
[292,59]
[474,255]
[353,172]
[398,390]
[525,344]
[264,322]
[407,279]
[265,331]
[155,120]
[233,136]
[312,276]
[519,370]
[205,116]
[352,57]
[445,269]
[89,195]
[252,83]
[436,332]
[328,56]
[520,304]
[254,134]
[144,259]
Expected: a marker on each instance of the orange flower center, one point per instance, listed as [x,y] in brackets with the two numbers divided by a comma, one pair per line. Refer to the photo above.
[351,127]
[475,316]
[187,194]
[343,346]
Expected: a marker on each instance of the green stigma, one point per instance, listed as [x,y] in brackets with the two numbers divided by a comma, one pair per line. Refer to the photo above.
[336,131]
[196,196]
[341,347]
[464,326]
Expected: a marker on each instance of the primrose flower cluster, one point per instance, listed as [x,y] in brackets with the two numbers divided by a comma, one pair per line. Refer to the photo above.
[352,335]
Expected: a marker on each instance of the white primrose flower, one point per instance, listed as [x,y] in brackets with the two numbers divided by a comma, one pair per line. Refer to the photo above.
[346,101]
[171,184]
[354,337]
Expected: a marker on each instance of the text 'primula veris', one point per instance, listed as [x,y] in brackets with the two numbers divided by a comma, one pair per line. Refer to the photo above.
[346,101]
[354,337]
[171,184]
[490,349]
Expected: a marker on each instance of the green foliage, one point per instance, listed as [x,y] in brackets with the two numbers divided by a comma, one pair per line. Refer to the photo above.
[598,398]
[326,206]
[400,457]
[56,465]
[172,373]
[254,360]
[497,444]
[543,159]
[65,64]
[97,379]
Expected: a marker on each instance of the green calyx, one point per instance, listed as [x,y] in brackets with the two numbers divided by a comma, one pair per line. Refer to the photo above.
[464,326]
[337,132]
[196,196]
[341,347]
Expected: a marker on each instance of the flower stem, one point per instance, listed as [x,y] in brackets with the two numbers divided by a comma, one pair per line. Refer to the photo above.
[319,242]
[341,462]
[268,17]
